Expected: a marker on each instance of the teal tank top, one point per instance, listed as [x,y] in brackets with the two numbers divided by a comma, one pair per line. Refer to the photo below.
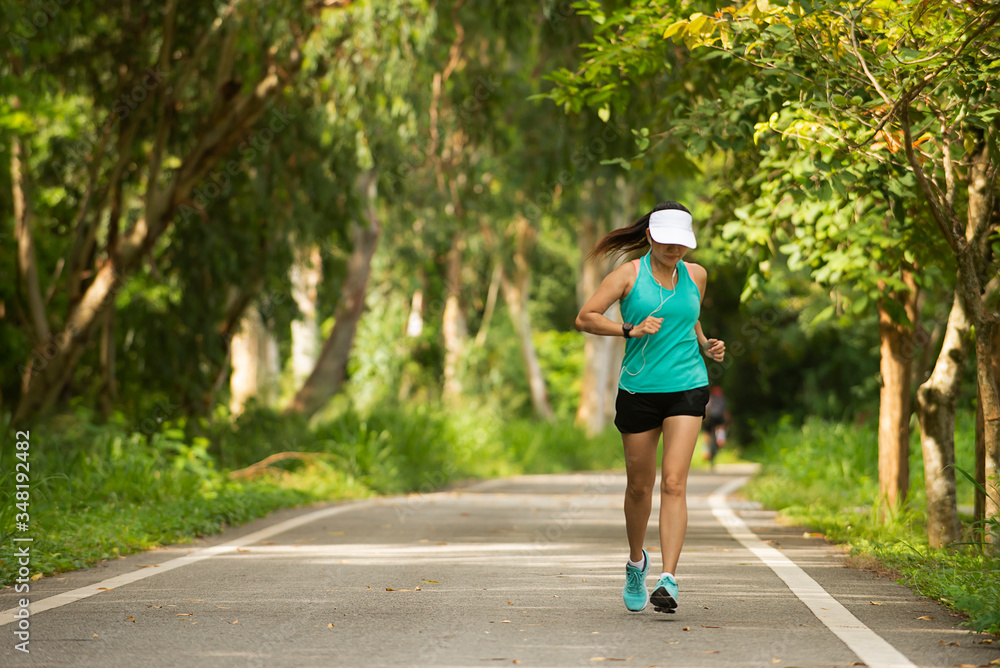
[670,360]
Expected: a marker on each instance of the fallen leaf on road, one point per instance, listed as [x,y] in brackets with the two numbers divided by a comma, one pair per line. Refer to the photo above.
[857,663]
[966,665]
[95,635]
[987,641]
[515,660]
[433,582]
[149,566]
[131,619]
[442,543]
[235,621]
[417,589]
[196,600]
[686,628]
[953,643]
[874,602]
[672,642]
[156,606]
[510,602]
[268,542]
[506,621]
[369,586]
[925,617]
[710,651]
[710,627]
[184,614]
[105,589]
[240,549]
[994,662]
[330,626]
[223,607]
[775,660]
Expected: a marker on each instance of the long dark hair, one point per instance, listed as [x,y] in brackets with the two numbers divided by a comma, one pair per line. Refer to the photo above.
[629,239]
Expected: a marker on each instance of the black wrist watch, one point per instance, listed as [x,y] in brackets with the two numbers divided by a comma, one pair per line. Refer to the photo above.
[627,330]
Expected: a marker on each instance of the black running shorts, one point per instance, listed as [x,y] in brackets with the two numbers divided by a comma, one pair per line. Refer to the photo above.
[642,411]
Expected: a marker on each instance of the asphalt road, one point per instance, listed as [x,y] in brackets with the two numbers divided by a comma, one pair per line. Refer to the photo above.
[525,571]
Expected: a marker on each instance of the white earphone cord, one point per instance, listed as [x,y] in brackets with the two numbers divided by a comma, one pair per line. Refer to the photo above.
[663,300]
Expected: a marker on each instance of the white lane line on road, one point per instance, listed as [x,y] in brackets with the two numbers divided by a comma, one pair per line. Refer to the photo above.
[871,648]
[7,616]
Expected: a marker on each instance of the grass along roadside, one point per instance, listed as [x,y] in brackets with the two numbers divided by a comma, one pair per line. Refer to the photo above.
[99,492]
[825,476]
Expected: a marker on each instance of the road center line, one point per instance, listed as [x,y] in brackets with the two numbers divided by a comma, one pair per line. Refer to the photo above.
[871,648]
[7,616]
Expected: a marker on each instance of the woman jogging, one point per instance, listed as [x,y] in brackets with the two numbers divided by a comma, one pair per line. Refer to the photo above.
[663,386]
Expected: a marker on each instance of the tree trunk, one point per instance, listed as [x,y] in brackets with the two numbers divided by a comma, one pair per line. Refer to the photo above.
[415,321]
[602,354]
[894,402]
[330,372]
[491,302]
[599,379]
[936,401]
[51,365]
[26,263]
[305,276]
[980,497]
[987,368]
[981,229]
[976,268]
[108,395]
[254,356]
[454,325]
[516,293]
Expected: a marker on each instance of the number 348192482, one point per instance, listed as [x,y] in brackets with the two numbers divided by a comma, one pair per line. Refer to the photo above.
[21,479]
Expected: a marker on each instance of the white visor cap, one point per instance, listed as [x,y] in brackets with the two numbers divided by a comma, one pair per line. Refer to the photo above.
[672,226]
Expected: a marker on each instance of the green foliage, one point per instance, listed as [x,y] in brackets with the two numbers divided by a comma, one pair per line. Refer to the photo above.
[98,492]
[811,104]
[825,475]
[965,581]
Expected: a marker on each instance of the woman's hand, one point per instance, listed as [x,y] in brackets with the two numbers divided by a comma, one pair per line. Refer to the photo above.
[714,349]
[650,325]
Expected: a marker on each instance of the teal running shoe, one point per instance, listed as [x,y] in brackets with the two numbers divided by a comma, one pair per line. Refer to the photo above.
[635,594]
[664,598]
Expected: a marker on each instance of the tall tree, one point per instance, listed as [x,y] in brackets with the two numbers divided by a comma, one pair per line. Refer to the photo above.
[163,127]
[867,84]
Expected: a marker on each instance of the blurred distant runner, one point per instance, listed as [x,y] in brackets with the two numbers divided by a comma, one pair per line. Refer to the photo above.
[716,424]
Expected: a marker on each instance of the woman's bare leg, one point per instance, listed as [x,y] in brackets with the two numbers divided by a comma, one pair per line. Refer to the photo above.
[640,469]
[680,435]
